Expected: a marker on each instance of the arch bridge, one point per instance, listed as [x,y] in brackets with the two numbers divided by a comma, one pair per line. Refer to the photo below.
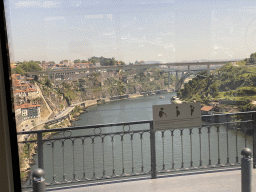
[64,74]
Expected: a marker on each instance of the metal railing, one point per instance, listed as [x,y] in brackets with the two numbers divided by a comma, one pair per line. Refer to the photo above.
[98,152]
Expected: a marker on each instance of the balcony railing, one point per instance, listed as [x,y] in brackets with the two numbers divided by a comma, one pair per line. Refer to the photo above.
[99,152]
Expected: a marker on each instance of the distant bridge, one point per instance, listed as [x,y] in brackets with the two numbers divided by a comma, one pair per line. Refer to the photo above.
[72,72]
[184,68]
[181,80]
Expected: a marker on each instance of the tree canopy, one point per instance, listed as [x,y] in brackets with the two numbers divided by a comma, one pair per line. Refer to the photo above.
[77,61]
[103,61]
[27,67]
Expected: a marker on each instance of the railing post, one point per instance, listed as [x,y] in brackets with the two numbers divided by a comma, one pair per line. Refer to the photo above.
[153,151]
[40,150]
[254,138]
[246,170]
[38,180]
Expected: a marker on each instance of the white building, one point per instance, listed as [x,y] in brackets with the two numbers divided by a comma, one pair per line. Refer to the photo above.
[29,111]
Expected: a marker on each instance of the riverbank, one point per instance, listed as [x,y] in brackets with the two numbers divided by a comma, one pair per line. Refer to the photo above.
[73,115]
[176,100]
[28,151]
[84,105]
[129,110]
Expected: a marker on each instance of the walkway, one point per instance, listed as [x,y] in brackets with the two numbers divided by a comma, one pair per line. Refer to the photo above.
[210,182]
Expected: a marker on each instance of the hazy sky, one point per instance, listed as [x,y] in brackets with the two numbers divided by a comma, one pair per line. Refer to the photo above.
[148,30]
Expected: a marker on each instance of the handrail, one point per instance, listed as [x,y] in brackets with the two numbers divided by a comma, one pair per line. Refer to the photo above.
[113,146]
[85,127]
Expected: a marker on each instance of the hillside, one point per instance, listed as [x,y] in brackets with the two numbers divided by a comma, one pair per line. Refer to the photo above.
[231,84]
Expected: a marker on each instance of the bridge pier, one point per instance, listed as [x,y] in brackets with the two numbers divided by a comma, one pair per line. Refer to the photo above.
[168,77]
[208,70]
[176,82]
[188,68]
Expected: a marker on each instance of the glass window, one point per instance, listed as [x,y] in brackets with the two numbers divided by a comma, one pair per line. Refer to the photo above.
[101,62]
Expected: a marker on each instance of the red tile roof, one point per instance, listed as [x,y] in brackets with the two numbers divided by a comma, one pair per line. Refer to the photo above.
[30,90]
[26,105]
[206,108]
[25,85]
[16,74]
[17,91]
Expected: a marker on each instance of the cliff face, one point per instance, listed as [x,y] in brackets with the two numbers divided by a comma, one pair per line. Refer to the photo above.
[105,85]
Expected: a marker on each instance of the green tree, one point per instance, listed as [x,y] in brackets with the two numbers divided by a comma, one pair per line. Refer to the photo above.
[18,70]
[121,63]
[112,61]
[47,82]
[140,75]
[77,61]
[61,62]
[252,58]
[94,61]
[215,91]
[28,67]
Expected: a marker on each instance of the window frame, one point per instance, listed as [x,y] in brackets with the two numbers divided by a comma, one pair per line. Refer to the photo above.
[10,170]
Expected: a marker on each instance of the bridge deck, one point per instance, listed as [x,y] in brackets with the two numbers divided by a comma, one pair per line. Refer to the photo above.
[214,181]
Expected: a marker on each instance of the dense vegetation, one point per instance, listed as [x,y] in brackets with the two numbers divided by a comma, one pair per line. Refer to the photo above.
[105,61]
[229,83]
[23,67]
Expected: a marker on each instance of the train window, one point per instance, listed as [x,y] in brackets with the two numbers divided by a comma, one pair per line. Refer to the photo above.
[79,63]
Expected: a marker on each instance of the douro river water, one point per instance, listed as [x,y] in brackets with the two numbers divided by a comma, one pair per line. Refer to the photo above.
[88,157]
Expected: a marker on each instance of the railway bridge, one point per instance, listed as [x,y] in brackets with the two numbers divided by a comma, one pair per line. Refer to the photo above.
[183,68]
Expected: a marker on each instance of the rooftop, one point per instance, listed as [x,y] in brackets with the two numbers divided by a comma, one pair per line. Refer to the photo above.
[26,105]
[206,108]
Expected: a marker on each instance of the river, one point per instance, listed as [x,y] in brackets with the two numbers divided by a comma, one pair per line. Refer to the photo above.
[134,110]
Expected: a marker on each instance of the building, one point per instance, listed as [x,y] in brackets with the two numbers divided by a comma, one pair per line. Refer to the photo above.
[31,93]
[68,63]
[207,110]
[97,64]
[29,111]
[83,65]
[19,93]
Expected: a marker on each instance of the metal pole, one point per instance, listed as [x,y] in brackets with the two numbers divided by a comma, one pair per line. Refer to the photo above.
[38,180]
[254,138]
[153,151]
[246,170]
[40,150]
[176,82]
[169,79]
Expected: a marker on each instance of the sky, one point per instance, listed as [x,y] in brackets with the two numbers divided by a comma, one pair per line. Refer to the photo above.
[148,30]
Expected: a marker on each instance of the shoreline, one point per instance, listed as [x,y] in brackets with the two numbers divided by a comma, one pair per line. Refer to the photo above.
[29,162]
[111,99]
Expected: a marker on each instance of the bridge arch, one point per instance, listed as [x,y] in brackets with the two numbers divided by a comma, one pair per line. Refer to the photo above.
[182,79]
